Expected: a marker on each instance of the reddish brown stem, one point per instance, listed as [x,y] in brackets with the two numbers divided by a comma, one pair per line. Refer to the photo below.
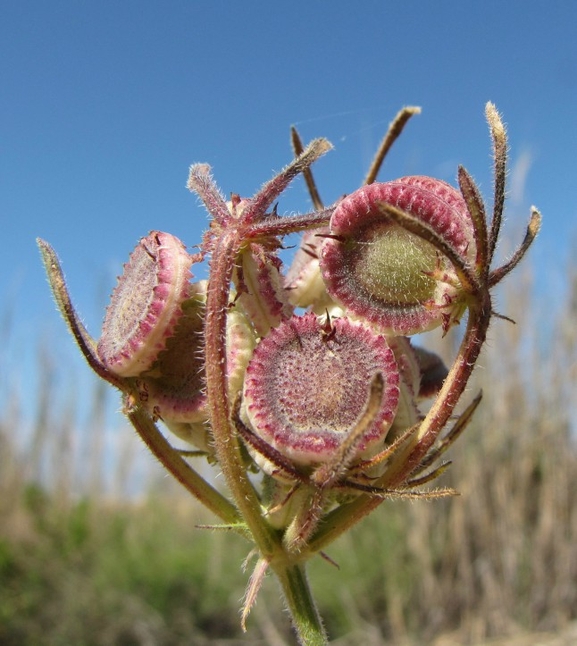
[395,128]
[275,226]
[298,149]
[451,391]
[226,445]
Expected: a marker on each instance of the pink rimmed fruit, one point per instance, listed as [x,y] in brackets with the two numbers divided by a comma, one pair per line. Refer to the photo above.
[308,382]
[145,305]
[381,272]
[174,388]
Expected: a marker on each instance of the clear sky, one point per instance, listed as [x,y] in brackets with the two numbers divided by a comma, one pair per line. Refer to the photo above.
[104,105]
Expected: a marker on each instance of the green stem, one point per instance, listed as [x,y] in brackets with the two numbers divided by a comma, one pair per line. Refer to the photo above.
[304,613]
[181,470]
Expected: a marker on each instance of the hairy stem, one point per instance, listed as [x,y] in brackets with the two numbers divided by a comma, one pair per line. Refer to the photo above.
[301,605]
[225,439]
[395,128]
[275,226]
[181,470]
[450,393]
[274,187]
[298,149]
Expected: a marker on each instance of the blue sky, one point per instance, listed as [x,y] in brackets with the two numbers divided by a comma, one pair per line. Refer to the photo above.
[104,106]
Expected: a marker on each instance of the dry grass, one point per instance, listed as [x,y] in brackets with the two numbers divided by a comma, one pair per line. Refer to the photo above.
[499,560]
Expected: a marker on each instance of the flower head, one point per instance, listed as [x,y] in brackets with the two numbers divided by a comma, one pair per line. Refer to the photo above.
[326,402]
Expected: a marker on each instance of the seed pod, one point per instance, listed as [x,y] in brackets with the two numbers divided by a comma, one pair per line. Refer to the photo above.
[303,280]
[307,384]
[174,388]
[145,305]
[260,290]
[388,275]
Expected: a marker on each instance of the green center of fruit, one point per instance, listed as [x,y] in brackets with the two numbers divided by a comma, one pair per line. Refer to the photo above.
[393,265]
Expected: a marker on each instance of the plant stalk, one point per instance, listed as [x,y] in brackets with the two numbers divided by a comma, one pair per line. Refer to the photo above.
[180,470]
[225,439]
[303,610]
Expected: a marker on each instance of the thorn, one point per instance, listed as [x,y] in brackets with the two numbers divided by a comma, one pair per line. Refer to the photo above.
[503,317]
[254,584]
[310,253]
[328,559]
[328,330]
[329,235]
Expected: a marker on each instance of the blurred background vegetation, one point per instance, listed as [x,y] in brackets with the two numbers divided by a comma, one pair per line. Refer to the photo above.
[98,547]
